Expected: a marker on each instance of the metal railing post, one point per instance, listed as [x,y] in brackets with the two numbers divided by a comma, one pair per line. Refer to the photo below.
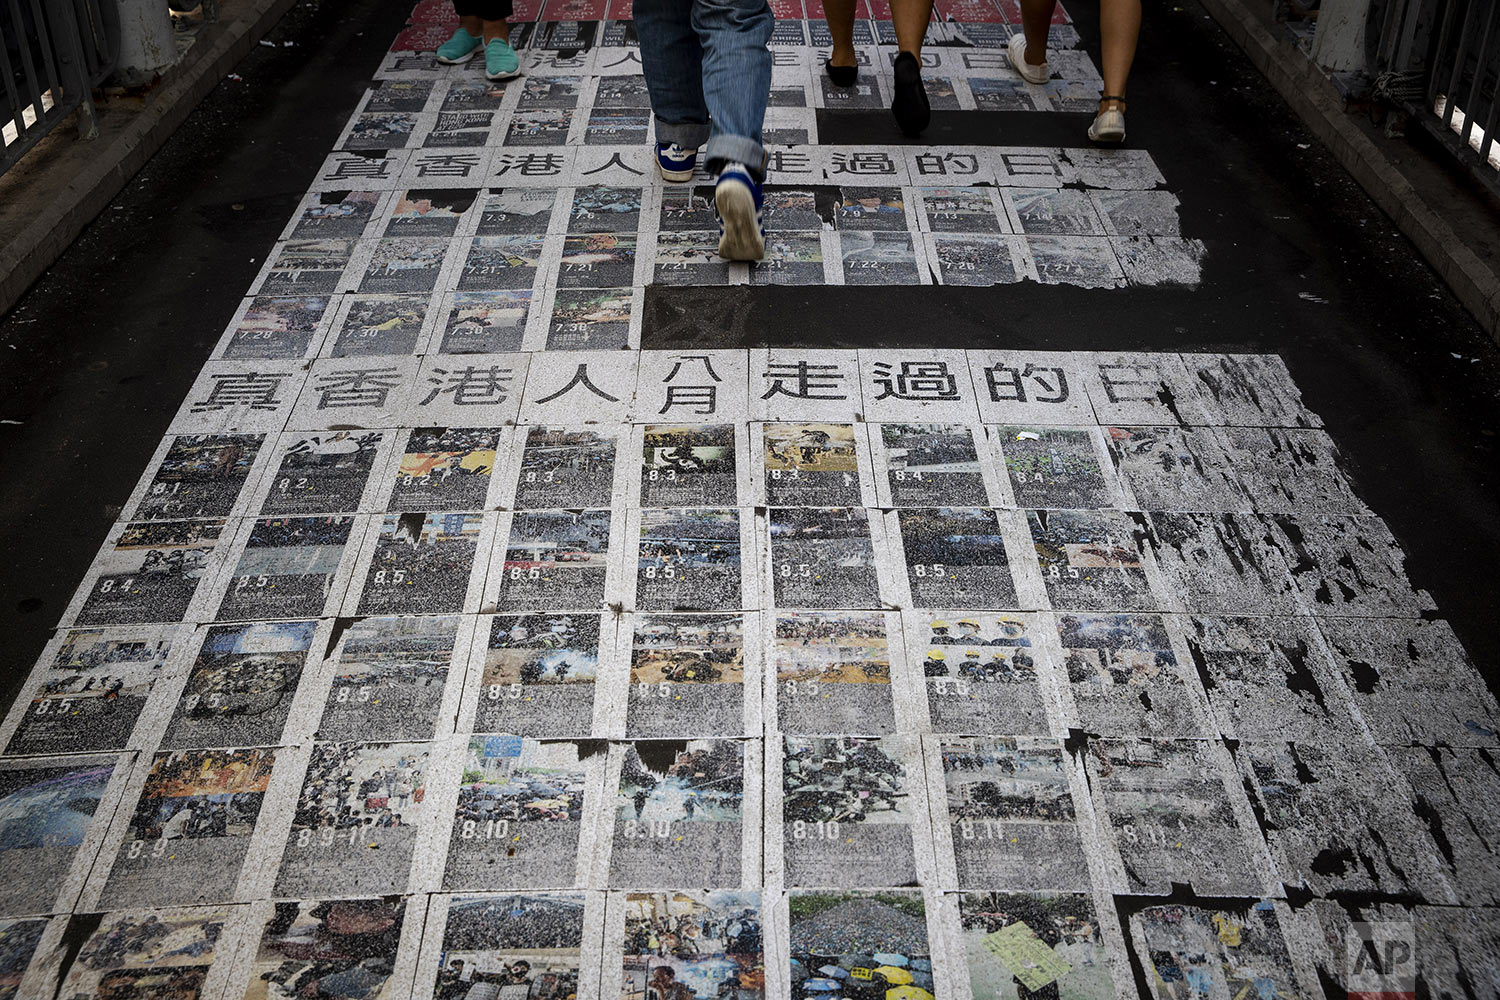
[54,53]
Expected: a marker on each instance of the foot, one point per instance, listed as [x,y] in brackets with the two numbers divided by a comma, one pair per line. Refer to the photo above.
[500,60]
[1030,72]
[1109,124]
[910,106]
[675,163]
[845,75]
[458,49]
[739,200]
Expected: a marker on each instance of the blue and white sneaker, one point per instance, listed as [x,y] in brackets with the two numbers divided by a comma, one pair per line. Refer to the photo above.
[738,197]
[675,163]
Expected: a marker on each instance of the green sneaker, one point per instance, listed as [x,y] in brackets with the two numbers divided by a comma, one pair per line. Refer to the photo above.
[500,60]
[458,49]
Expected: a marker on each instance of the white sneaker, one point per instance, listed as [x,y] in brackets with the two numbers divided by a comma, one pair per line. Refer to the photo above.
[1031,74]
[1108,126]
[740,201]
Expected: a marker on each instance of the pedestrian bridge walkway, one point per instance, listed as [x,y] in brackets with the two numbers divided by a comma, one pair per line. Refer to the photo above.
[488,618]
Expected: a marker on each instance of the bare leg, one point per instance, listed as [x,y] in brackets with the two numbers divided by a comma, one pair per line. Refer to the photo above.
[496,29]
[1119,27]
[488,30]
[910,106]
[911,18]
[840,15]
[1036,18]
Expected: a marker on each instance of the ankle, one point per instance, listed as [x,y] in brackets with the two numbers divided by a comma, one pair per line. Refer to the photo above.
[843,55]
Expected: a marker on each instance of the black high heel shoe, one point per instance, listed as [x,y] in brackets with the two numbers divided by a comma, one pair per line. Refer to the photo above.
[842,76]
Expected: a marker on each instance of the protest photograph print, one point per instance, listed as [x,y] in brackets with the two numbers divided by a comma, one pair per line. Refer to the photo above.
[276,326]
[923,465]
[833,671]
[54,815]
[824,557]
[518,822]
[1091,560]
[983,672]
[812,465]
[554,559]
[859,943]
[849,811]
[19,940]
[589,319]
[290,567]
[390,678]
[324,472]
[150,954]
[335,948]
[532,945]
[1057,468]
[955,557]
[681,811]
[561,467]
[688,465]
[1172,811]
[420,563]
[509,211]
[1224,951]
[693,675]
[190,829]
[240,690]
[539,674]
[689,559]
[1009,809]
[198,475]
[1027,944]
[428,212]
[89,689]
[446,469]
[371,325]
[688,945]
[1125,676]
[357,819]
[150,572]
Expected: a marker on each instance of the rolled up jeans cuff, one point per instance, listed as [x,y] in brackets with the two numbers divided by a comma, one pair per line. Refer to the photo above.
[724,149]
[688,135]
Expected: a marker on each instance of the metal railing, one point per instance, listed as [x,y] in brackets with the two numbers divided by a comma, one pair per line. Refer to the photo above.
[1440,59]
[52,54]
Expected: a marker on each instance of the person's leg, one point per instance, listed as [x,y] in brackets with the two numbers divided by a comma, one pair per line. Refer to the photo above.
[467,40]
[495,29]
[492,18]
[840,14]
[909,105]
[672,61]
[1036,20]
[485,21]
[736,78]
[910,18]
[1119,28]
[736,85]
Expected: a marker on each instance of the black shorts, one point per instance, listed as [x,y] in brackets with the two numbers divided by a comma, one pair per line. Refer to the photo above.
[485,10]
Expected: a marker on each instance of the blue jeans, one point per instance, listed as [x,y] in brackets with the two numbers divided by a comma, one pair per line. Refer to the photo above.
[709,73]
